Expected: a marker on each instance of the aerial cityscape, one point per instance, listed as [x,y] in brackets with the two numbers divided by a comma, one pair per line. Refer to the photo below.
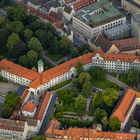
[70,70]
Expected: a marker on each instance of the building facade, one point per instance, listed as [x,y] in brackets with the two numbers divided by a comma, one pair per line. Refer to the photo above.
[135,26]
[92,20]
[132,6]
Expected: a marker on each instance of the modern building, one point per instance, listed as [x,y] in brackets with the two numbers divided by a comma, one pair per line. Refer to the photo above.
[126,107]
[97,18]
[135,26]
[132,6]
[118,32]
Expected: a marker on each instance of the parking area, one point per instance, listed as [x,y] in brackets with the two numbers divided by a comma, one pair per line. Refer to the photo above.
[6,87]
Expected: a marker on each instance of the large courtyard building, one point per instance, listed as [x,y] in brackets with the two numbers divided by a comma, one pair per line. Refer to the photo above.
[132,6]
[39,82]
[96,18]
[135,26]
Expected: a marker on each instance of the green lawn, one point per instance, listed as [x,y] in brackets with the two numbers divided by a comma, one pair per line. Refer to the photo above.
[55,57]
[60,85]
[104,84]
[69,107]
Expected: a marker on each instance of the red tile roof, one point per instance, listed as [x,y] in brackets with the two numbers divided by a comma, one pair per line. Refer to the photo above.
[18,70]
[29,107]
[127,44]
[119,56]
[69,1]
[82,3]
[123,108]
[44,103]
[77,133]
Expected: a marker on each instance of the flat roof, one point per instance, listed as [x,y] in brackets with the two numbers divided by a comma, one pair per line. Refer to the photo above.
[107,13]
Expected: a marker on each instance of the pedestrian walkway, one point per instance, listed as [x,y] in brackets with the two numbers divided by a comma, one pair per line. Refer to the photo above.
[116,81]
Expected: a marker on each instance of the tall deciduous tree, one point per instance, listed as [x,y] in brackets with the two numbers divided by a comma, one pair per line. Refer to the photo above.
[86,91]
[80,104]
[23,60]
[84,77]
[17,13]
[65,45]
[32,58]
[28,34]
[12,42]
[15,26]
[114,124]
[11,101]
[34,44]
[99,114]
[110,96]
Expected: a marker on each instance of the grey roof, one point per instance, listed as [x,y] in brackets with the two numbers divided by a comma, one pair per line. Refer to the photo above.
[102,42]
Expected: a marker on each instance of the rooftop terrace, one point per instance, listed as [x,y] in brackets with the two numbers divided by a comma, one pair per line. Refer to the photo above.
[98,13]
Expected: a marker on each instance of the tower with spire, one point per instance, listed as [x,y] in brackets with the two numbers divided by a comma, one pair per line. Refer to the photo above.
[40,66]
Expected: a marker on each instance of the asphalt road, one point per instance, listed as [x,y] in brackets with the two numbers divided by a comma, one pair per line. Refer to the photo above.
[48,114]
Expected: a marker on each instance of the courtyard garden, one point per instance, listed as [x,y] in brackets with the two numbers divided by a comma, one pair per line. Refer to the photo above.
[83,104]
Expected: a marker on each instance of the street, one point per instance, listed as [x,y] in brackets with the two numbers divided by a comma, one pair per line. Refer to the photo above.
[48,114]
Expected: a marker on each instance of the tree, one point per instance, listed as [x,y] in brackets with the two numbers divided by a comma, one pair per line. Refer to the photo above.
[133,77]
[97,73]
[99,114]
[65,45]
[54,45]
[135,123]
[84,77]
[12,13]
[41,137]
[3,38]
[79,69]
[110,96]
[34,44]
[11,101]
[3,22]
[114,124]
[65,96]
[20,49]
[41,35]
[4,2]
[105,123]
[15,26]
[23,60]
[13,39]
[97,101]
[28,34]
[49,37]
[32,58]
[86,91]
[80,104]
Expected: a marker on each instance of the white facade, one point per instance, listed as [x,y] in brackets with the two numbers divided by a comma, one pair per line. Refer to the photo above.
[86,32]
[130,7]
[114,66]
[14,78]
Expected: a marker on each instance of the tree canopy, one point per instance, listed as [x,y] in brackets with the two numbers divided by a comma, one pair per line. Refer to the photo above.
[114,124]
[13,39]
[110,96]
[80,104]
[11,101]
[34,44]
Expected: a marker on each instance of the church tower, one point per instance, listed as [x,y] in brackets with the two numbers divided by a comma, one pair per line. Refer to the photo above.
[40,66]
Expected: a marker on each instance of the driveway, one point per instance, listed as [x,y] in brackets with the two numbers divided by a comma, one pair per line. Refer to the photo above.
[6,87]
